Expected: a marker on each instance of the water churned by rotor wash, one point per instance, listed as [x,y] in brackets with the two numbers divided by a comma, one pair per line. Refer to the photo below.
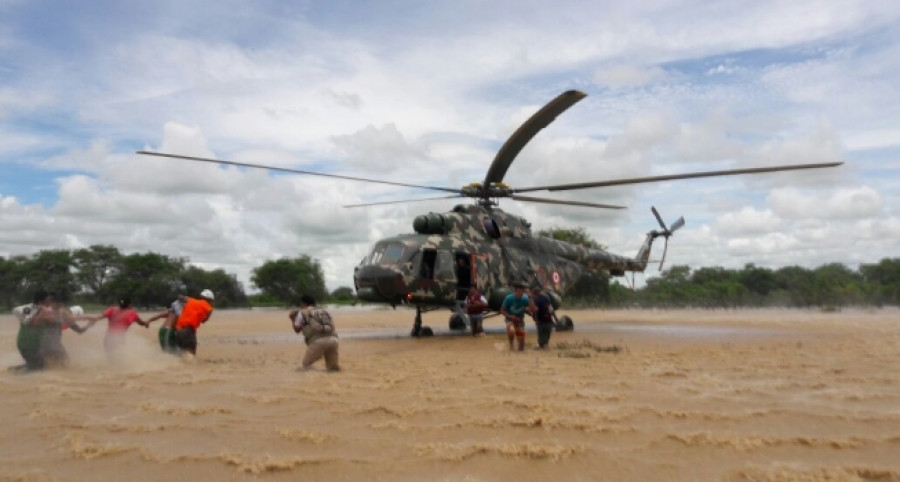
[630,395]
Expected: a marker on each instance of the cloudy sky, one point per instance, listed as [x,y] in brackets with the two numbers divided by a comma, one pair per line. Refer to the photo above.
[425,93]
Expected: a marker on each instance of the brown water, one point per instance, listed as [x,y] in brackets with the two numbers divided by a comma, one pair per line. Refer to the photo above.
[690,395]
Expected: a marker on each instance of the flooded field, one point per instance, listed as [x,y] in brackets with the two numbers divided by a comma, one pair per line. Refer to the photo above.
[629,395]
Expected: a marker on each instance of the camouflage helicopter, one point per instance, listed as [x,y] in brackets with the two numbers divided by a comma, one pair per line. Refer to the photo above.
[480,244]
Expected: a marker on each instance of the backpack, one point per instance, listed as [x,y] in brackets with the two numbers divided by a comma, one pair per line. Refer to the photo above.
[321,320]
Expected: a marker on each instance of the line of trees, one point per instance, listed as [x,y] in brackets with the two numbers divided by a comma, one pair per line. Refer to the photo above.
[831,285]
[101,274]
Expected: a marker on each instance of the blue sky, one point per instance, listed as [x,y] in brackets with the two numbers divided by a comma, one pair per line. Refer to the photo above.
[426,93]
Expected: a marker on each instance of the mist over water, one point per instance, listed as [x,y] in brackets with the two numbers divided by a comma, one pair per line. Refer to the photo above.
[136,354]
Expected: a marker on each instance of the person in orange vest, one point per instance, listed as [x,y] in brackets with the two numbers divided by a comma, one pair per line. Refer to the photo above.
[194,313]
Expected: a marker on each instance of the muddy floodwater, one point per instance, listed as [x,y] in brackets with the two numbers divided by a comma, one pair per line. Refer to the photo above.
[749,395]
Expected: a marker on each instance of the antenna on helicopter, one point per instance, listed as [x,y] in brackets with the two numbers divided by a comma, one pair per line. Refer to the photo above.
[666,232]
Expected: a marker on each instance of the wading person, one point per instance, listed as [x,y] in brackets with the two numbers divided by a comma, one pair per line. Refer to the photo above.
[318,331]
[39,340]
[194,313]
[167,330]
[55,320]
[476,305]
[28,340]
[543,316]
[514,307]
[119,318]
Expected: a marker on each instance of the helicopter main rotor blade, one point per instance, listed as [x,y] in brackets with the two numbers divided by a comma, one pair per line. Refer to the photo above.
[677,224]
[568,203]
[295,171]
[400,201]
[526,131]
[659,218]
[670,177]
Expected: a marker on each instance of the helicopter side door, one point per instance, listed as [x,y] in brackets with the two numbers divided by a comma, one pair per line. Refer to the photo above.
[444,276]
[483,279]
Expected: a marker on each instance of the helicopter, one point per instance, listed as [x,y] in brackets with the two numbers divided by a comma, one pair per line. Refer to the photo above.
[480,244]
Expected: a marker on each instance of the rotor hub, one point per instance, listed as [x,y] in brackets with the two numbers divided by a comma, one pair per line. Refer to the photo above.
[485,192]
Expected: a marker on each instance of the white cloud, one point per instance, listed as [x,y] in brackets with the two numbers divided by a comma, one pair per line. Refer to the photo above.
[428,98]
[748,221]
[872,139]
[761,246]
[844,203]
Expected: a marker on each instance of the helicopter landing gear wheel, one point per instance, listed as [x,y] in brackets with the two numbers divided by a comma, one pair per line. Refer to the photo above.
[423,331]
[417,329]
[458,322]
[565,323]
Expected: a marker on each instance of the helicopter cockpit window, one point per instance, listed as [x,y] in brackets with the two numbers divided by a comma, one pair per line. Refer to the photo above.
[386,254]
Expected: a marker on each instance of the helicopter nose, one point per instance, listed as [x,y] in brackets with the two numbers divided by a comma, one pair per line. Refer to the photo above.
[379,284]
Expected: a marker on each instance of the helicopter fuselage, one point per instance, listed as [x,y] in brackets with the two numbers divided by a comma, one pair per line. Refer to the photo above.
[477,245]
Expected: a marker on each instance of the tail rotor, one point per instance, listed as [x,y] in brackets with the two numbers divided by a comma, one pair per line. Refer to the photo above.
[666,232]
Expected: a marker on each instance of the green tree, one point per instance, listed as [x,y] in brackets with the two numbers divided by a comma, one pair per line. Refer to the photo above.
[51,270]
[881,281]
[287,279]
[716,274]
[343,294]
[672,289]
[226,287]
[795,287]
[96,265]
[12,281]
[149,279]
[837,285]
[758,281]
[719,288]
[622,296]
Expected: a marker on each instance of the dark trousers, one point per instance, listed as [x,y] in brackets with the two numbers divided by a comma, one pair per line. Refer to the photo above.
[543,331]
[186,339]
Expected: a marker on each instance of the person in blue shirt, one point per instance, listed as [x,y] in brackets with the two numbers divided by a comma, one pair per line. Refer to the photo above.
[514,307]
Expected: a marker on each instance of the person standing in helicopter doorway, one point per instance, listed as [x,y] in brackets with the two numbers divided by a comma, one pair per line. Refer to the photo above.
[514,307]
